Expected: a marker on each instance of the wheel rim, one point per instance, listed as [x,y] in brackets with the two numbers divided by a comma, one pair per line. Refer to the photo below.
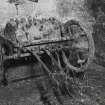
[82,47]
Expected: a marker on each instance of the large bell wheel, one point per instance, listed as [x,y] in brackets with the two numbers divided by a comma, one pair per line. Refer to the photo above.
[81,51]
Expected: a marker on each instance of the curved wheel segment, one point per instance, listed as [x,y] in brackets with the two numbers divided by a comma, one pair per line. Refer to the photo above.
[78,55]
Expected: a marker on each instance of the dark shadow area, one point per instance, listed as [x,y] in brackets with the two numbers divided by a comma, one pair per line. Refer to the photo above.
[21,61]
[96,8]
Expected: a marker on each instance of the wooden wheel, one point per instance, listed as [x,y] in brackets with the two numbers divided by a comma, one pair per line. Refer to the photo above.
[81,50]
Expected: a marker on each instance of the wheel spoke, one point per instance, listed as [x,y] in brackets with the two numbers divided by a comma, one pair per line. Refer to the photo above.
[55,61]
[68,63]
[58,59]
